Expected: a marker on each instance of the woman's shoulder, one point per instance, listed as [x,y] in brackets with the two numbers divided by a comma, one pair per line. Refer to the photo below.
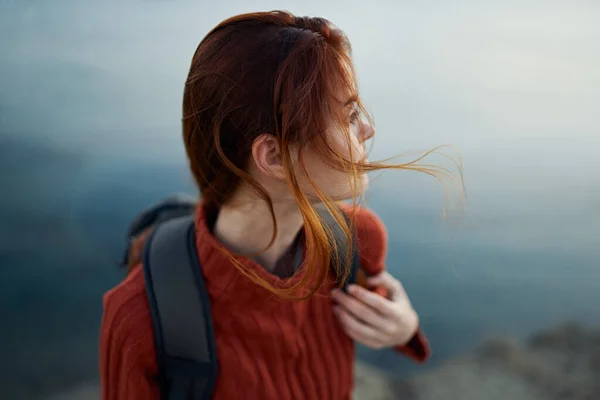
[126,319]
[129,293]
[371,235]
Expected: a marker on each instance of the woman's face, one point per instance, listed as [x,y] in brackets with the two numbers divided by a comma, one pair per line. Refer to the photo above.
[332,181]
[318,164]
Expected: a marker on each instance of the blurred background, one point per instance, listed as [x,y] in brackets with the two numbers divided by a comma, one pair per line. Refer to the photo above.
[90,97]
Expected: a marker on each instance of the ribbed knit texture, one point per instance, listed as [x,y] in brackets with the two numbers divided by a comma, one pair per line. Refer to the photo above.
[268,349]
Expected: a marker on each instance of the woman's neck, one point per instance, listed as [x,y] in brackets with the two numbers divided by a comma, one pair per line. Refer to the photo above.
[247,229]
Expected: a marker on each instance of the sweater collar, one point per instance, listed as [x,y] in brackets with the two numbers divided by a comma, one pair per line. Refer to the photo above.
[224,279]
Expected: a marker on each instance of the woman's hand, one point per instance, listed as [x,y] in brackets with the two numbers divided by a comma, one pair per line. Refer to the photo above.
[373,320]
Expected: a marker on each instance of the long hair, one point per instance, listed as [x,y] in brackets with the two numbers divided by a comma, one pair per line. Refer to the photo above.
[273,72]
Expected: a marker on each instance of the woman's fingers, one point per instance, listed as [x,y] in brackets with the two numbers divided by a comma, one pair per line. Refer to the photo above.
[374,320]
[357,330]
[382,305]
[362,311]
[392,285]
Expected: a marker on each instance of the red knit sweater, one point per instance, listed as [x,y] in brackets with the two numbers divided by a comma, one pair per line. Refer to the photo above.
[268,349]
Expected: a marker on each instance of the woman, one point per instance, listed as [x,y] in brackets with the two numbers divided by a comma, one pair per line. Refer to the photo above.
[273,127]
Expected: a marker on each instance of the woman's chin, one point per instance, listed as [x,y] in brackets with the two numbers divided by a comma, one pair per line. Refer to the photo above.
[347,193]
[361,187]
[364,179]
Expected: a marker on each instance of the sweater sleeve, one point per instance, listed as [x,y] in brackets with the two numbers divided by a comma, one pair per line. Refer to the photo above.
[372,242]
[126,356]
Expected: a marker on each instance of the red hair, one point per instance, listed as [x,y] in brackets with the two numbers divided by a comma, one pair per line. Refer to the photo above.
[271,72]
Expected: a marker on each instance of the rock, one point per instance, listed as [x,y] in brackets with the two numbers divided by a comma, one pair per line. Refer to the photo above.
[372,383]
[85,391]
[466,380]
[558,364]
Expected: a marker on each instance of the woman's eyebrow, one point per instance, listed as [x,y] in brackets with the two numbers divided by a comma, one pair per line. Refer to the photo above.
[351,100]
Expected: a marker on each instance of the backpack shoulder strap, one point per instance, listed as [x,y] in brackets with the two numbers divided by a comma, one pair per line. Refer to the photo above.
[180,308]
[341,242]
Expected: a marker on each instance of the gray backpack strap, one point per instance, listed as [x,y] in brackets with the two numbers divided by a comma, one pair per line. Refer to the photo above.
[180,308]
[341,242]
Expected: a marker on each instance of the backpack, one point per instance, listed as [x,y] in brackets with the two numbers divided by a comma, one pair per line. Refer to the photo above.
[179,303]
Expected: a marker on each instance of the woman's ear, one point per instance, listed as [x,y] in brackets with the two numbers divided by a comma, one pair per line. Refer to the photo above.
[266,153]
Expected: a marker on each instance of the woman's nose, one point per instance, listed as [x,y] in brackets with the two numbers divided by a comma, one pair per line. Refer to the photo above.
[367,131]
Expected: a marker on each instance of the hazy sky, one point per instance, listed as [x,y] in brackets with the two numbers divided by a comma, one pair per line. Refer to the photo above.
[515,85]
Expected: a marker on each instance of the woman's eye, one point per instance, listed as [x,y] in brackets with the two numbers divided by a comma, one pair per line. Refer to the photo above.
[354,117]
